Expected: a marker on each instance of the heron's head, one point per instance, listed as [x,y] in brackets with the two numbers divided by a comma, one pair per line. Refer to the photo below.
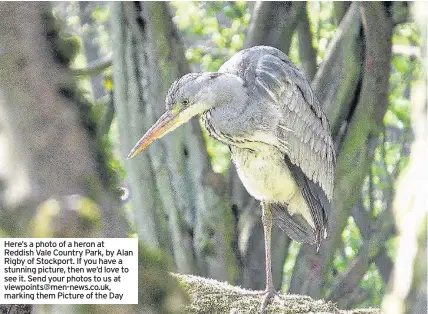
[187,97]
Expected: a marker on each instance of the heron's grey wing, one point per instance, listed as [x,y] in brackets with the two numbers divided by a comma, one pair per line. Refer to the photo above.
[316,199]
[302,131]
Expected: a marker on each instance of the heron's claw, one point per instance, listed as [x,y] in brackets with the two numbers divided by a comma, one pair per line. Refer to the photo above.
[268,295]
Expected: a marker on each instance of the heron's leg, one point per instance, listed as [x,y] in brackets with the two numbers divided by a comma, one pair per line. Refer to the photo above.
[270,288]
[267,228]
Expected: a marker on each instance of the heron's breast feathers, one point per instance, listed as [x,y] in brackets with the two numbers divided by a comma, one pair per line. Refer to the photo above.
[267,178]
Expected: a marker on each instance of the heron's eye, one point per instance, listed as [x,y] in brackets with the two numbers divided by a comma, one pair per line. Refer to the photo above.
[185,102]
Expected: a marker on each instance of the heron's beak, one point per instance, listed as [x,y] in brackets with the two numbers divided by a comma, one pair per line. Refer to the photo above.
[166,123]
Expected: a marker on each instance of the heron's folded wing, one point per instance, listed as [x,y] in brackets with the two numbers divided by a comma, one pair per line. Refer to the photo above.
[303,131]
[316,199]
[296,227]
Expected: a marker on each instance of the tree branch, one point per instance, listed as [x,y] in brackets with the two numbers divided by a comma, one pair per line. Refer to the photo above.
[335,85]
[94,67]
[382,260]
[210,296]
[108,116]
[307,53]
[336,81]
[339,10]
[361,218]
[367,116]
[384,227]
[273,24]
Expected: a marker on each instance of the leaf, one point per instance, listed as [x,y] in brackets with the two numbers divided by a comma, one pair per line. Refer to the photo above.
[401,63]
[101,14]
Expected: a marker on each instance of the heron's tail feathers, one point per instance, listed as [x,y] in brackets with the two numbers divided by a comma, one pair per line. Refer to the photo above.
[317,202]
[294,226]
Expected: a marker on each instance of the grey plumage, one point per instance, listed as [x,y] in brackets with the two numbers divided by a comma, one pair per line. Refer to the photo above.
[282,111]
[259,101]
[263,108]
[302,129]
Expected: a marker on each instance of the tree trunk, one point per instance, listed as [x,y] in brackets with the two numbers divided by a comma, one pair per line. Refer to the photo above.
[90,46]
[58,182]
[273,24]
[55,151]
[179,203]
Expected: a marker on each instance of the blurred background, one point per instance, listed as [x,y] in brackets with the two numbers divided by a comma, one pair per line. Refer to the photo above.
[81,82]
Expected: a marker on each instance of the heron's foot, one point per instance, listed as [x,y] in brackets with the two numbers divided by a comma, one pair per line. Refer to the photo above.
[267,296]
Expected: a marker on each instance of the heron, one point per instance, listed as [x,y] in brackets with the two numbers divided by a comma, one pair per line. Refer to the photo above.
[260,105]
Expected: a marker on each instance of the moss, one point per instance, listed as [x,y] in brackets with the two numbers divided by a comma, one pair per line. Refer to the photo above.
[89,210]
[208,248]
[210,296]
[156,286]
[65,49]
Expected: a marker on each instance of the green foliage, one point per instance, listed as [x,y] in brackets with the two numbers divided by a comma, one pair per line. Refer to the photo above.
[101,14]
[64,47]
[156,287]
[323,26]
[406,34]
[372,283]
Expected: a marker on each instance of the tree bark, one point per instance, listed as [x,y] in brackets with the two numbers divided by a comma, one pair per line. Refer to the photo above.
[91,47]
[338,77]
[273,24]
[307,53]
[340,9]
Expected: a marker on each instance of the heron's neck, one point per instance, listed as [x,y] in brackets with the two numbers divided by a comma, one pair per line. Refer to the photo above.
[227,115]
[225,90]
